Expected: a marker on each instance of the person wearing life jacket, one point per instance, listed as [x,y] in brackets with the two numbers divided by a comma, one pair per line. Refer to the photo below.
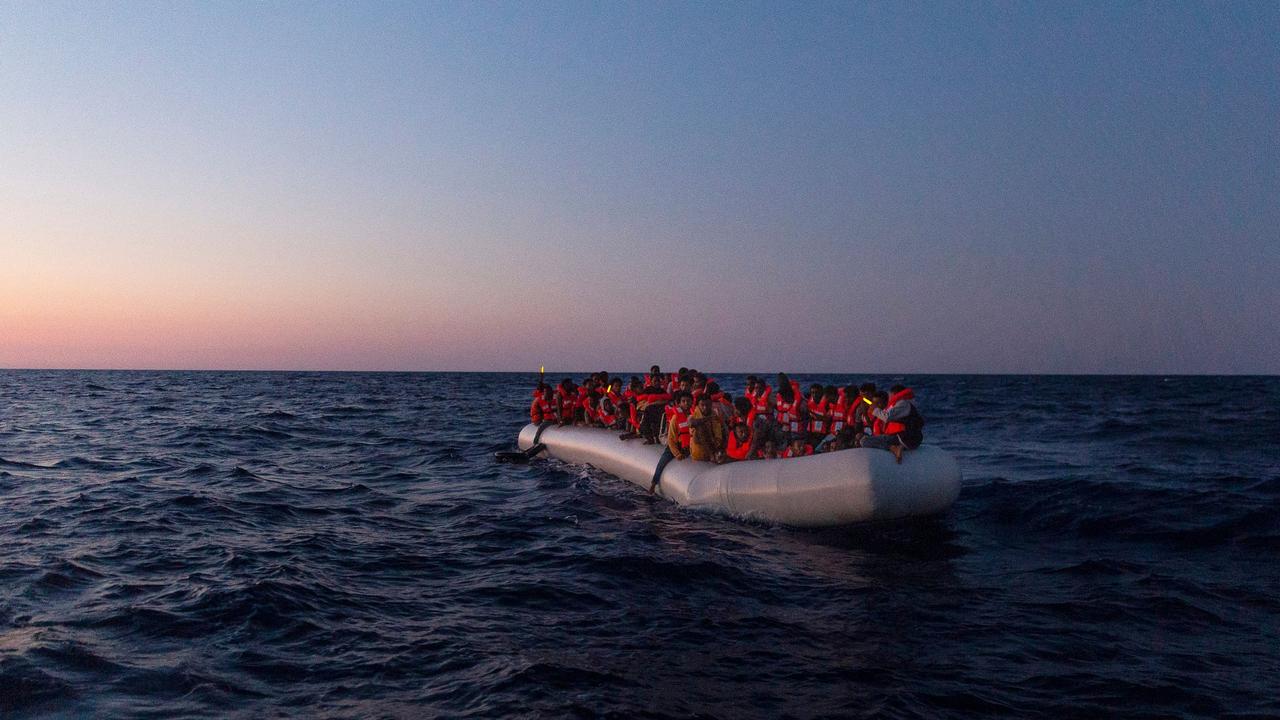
[545,408]
[651,402]
[738,444]
[721,401]
[787,408]
[627,407]
[798,447]
[750,391]
[679,434]
[837,408]
[708,431]
[768,450]
[684,385]
[860,409]
[606,412]
[567,396]
[587,397]
[818,420]
[902,424]
[759,400]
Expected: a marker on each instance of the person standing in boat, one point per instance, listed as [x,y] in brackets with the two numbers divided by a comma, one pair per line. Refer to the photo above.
[708,432]
[903,425]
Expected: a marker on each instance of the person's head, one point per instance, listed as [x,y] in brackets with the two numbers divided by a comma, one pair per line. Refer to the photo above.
[868,390]
[783,380]
[544,389]
[897,389]
[685,384]
[815,391]
[635,383]
[741,431]
[786,392]
[850,392]
[751,383]
[684,400]
[770,448]
[742,407]
[683,371]
[882,399]
[797,443]
[831,394]
[713,388]
[699,382]
[704,402]
[655,370]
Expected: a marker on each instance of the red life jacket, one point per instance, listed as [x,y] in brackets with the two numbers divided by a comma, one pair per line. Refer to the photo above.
[567,402]
[838,412]
[544,410]
[789,413]
[681,421]
[605,416]
[630,397]
[852,415]
[808,450]
[896,427]
[818,416]
[760,401]
[738,450]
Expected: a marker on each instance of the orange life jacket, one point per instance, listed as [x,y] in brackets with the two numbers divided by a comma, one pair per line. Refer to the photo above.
[818,416]
[681,420]
[789,413]
[738,450]
[606,417]
[760,400]
[895,427]
[838,412]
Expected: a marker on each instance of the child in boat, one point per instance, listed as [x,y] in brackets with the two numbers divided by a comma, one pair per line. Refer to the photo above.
[738,445]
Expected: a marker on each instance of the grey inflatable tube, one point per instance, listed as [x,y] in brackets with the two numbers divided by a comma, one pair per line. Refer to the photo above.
[824,490]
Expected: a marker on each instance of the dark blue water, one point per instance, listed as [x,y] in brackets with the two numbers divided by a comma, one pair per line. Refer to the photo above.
[342,545]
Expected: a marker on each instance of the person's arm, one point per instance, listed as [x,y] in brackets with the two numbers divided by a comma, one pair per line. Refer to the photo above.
[897,412]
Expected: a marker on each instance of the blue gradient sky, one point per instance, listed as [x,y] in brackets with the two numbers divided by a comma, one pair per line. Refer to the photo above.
[1040,187]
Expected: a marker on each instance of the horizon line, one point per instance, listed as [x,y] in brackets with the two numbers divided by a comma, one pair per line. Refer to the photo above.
[642,373]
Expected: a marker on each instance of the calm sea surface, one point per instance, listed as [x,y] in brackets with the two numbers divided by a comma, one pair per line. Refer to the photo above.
[178,544]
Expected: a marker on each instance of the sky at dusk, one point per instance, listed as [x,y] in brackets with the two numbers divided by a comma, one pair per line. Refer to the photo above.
[850,187]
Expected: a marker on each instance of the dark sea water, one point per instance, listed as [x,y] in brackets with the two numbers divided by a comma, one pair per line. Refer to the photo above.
[343,545]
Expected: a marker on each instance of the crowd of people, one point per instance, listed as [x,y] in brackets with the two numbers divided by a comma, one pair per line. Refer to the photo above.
[696,418]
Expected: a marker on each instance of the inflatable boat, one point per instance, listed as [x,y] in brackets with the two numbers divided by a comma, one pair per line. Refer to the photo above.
[824,490]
